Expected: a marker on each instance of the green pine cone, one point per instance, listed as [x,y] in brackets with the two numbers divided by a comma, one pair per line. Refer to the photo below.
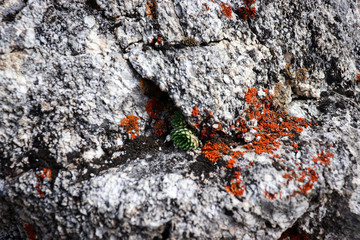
[184,139]
[178,121]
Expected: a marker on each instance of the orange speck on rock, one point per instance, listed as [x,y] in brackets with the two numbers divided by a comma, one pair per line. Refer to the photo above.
[323,157]
[269,195]
[206,6]
[305,188]
[46,173]
[195,111]
[357,79]
[237,187]
[247,10]
[226,10]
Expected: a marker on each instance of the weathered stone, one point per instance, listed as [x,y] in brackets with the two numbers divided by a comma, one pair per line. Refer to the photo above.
[71,71]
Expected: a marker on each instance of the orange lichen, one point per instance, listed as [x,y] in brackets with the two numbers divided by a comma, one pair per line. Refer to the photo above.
[296,146]
[247,10]
[151,8]
[357,79]
[157,40]
[271,196]
[202,122]
[46,173]
[131,125]
[323,157]
[195,112]
[226,10]
[206,6]
[231,163]
[237,186]
[305,177]
[240,127]
[38,186]
[212,151]
[290,175]
[30,232]
[159,128]
[234,155]
[271,124]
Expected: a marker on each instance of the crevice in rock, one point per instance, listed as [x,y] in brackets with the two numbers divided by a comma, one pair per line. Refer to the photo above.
[182,45]
[93,4]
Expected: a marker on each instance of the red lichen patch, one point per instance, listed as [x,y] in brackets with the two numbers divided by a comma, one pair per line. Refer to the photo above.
[212,151]
[160,128]
[271,124]
[206,6]
[46,173]
[247,10]
[272,196]
[226,10]
[30,232]
[153,107]
[237,186]
[323,157]
[305,188]
[156,41]
[38,186]
[290,175]
[305,178]
[131,125]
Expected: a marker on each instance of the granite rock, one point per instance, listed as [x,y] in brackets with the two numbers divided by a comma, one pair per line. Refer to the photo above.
[71,71]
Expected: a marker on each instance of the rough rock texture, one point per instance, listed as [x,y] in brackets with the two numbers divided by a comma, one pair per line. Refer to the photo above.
[71,71]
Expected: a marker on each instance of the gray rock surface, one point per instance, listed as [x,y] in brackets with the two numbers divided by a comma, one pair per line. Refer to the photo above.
[71,71]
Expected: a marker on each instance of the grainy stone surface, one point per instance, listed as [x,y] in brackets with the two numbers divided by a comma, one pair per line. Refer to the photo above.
[69,73]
